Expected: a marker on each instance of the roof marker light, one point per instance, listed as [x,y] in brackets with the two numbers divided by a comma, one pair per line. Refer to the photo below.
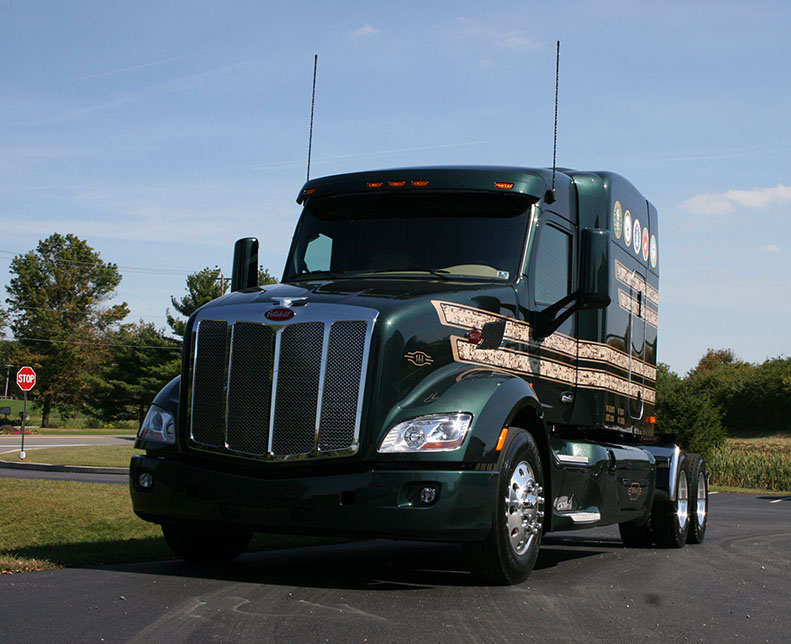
[396,184]
[503,185]
[310,191]
[420,183]
[375,184]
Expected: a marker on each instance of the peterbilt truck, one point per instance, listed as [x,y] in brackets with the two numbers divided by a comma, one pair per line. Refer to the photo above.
[461,354]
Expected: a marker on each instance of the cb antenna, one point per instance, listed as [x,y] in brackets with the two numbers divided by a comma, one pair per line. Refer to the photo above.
[312,109]
[550,197]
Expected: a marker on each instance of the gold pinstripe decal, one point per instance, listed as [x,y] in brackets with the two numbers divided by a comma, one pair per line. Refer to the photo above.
[465,317]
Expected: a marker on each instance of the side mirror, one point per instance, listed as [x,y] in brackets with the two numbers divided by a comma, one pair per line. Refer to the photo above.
[245,264]
[594,284]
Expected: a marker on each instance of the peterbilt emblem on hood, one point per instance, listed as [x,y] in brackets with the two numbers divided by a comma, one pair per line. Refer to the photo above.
[279,314]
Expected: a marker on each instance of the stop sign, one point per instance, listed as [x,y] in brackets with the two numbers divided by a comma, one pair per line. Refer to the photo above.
[26,378]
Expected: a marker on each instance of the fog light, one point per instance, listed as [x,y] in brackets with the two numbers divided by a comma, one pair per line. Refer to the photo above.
[145,480]
[428,494]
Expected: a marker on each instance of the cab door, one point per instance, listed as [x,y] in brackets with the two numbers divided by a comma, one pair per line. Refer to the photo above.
[550,278]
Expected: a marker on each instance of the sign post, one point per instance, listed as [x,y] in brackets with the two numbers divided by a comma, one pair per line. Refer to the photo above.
[25,380]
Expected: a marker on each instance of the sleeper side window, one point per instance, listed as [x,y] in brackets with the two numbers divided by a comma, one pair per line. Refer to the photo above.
[552,267]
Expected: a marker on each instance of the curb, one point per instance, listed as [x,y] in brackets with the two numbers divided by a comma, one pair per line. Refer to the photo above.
[83,469]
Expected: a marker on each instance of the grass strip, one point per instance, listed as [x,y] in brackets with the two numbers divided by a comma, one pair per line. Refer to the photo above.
[95,455]
[55,524]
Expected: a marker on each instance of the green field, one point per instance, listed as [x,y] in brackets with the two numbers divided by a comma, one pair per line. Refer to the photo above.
[52,524]
[761,463]
[95,455]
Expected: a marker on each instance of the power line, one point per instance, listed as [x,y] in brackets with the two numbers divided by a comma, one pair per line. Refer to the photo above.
[133,269]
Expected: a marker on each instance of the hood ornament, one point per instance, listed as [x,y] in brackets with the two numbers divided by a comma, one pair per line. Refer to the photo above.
[290,301]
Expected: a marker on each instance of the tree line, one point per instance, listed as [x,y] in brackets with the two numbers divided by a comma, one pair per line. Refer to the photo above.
[724,396]
[86,359]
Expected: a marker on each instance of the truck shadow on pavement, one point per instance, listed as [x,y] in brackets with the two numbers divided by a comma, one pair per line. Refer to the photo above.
[372,564]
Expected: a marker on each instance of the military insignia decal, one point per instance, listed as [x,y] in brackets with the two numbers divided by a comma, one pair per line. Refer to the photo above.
[627,228]
[617,219]
[654,252]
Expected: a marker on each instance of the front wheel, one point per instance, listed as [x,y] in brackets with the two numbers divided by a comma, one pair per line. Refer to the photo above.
[201,543]
[509,552]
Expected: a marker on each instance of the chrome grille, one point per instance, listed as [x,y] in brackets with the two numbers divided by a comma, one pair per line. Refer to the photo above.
[341,388]
[208,399]
[298,375]
[275,392]
[250,388]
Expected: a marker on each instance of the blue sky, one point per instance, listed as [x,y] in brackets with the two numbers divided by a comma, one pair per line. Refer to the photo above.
[161,132]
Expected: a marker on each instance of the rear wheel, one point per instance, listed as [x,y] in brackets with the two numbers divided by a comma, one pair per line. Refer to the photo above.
[201,543]
[670,519]
[699,497]
[509,552]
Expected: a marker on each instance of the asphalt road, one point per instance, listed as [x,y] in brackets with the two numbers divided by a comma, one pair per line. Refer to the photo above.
[586,588]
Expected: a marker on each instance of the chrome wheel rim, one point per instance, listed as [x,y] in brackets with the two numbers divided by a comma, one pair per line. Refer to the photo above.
[700,505]
[682,500]
[523,508]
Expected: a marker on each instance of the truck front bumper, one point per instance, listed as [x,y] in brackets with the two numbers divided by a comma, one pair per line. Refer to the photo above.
[380,503]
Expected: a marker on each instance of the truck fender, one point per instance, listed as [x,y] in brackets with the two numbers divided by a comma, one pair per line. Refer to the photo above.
[494,398]
[168,396]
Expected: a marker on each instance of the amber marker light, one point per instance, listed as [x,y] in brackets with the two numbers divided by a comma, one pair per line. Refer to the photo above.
[651,420]
[503,185]
[375,184]
[396,184]
[310,191]
[501,440]
[419,184]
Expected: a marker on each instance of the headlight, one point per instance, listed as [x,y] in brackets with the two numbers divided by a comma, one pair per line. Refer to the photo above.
[435,433]
[158,426]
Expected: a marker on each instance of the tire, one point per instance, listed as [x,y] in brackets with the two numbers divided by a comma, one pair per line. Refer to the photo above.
[509,552]
[636,533]
[670,519]
[206,544]
[698,477]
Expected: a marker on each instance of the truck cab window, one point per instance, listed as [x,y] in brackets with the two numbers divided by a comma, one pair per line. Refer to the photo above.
[318,253]
[552,265]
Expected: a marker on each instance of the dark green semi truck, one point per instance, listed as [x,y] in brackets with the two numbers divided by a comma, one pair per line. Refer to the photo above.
[454,353]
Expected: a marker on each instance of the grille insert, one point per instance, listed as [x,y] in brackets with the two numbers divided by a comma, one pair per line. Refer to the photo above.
[278,392]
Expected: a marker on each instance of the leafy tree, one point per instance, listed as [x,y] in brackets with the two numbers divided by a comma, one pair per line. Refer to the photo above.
[203,287]
[265,277]
[687,412]
[141,361]
[55,300]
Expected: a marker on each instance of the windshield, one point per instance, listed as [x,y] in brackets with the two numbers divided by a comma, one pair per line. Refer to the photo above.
[468,236]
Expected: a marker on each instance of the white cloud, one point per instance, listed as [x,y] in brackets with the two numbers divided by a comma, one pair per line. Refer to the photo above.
[365,31]
[722,203]
[771,248]
[516,40]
